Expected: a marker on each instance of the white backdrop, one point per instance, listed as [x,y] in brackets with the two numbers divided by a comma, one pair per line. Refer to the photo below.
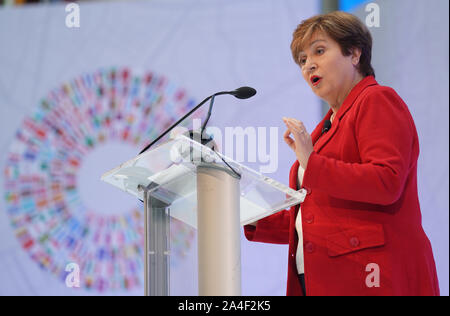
[202,46]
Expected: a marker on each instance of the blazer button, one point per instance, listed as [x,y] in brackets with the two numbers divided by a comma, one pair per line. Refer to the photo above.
[354,242]
[309,218]
[309,247]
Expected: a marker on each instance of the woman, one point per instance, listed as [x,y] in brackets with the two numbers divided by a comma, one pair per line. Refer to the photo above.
[359,229]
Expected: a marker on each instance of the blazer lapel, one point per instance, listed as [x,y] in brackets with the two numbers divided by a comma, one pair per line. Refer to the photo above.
[321,139]
[293,175]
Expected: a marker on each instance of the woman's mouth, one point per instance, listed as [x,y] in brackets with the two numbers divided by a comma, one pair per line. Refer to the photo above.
[315,80]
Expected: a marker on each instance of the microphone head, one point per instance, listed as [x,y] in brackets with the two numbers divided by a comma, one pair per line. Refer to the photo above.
[326,126]
[243,92]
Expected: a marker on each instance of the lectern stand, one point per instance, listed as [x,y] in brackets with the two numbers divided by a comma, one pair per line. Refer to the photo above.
[190,182]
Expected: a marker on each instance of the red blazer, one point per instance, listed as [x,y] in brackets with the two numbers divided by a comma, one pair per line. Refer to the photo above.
[362,206]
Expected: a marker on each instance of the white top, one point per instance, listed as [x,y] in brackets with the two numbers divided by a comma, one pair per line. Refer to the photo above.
[298,227]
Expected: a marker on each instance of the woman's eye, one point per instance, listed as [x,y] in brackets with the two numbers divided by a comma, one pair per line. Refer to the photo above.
[320,50]
[302,61]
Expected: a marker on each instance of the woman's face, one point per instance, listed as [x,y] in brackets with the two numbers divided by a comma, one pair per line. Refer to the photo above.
[330,74]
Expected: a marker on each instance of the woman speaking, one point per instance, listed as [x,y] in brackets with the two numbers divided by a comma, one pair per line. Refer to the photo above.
[359,230]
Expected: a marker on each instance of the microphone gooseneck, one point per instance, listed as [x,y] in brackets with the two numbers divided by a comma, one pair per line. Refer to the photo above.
[240,93]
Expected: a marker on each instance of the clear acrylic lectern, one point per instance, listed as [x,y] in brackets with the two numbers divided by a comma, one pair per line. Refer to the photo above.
[190,183]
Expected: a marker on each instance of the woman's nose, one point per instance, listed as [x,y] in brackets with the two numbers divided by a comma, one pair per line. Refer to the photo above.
[311,67]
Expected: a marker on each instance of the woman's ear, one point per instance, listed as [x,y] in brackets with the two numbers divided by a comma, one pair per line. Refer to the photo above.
[356,55]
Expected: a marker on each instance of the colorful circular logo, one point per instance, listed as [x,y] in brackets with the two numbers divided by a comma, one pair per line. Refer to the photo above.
[51,220]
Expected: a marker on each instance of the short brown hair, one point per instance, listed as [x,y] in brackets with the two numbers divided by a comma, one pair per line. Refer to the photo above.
[344,28]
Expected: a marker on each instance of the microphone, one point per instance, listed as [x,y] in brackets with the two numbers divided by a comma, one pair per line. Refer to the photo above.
[243,92]
[326,126]
[240,93]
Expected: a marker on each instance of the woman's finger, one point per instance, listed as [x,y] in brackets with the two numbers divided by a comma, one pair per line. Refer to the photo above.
[287,138]
[291,124]
[294,129]
[297,126]
[295,123]
[287,133]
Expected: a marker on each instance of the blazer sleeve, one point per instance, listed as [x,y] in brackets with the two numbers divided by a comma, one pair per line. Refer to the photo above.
[272,229]
[385,134]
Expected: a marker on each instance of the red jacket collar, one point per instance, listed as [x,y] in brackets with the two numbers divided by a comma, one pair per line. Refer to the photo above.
[354,93]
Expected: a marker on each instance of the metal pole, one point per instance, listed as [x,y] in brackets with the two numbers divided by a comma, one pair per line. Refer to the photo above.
[159,250]
[146,267]
[156,248]
[218,223]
